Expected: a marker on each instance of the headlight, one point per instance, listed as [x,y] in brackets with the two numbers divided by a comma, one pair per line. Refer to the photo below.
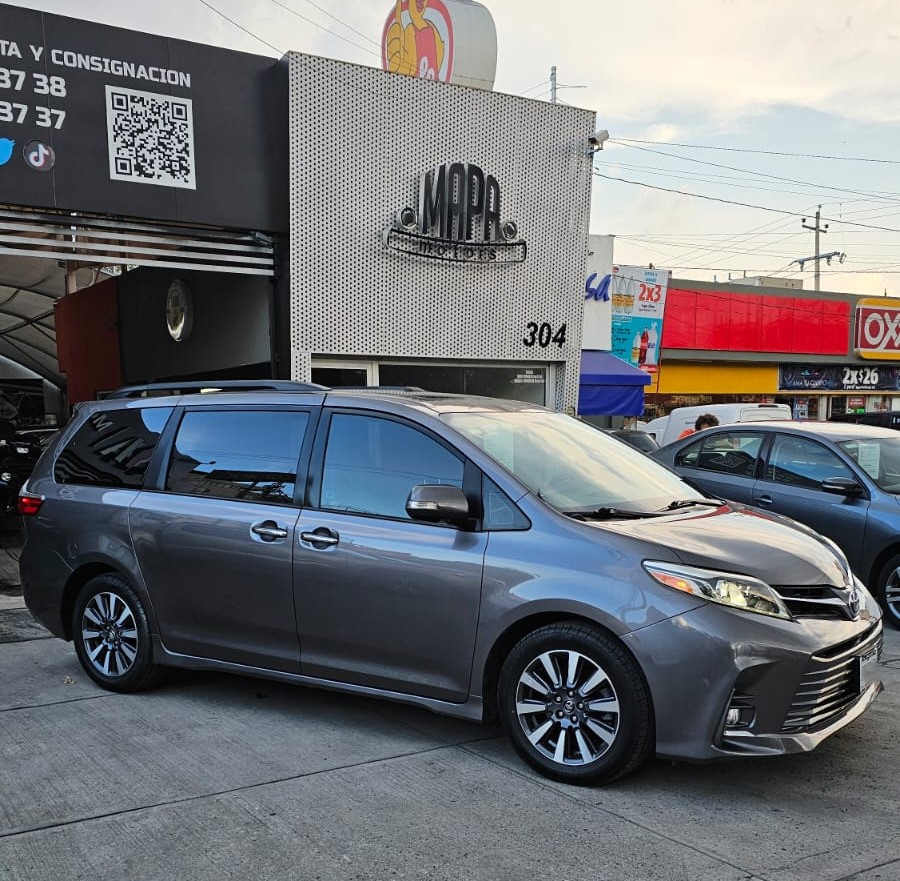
[737,591]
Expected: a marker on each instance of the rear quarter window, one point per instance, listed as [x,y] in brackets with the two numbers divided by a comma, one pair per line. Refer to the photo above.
[112,447]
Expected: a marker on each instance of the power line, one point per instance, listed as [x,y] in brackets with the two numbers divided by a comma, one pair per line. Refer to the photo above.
[340,21]
[623,180]
[885,196]
[761,152]
[240,26]
[322,27]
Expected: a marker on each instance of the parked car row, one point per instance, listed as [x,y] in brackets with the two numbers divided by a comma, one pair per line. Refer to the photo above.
[840,478]
[475,557]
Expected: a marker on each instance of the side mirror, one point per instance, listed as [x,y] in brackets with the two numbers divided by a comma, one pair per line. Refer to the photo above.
[842,486]
[435,503]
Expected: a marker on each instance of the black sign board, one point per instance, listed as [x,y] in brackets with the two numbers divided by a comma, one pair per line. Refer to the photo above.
[111,121]
[838,378]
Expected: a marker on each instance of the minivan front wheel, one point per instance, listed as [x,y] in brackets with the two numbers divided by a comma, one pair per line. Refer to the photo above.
[889,590]
[112,636]
[574,704]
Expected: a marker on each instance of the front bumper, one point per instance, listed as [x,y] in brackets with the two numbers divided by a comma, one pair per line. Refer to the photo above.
[797,682]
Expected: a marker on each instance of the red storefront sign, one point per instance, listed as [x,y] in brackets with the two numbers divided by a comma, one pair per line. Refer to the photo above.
[878,328]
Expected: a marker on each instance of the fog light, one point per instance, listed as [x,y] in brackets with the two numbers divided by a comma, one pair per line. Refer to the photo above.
[739,715]
[732,717]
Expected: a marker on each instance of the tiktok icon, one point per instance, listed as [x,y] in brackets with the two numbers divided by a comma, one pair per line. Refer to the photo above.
[39,156]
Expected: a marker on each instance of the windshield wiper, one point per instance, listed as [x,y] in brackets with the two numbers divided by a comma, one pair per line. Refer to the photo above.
[689,503]
[610,514]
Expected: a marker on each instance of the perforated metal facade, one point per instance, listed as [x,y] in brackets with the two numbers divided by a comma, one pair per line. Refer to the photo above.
[360,140]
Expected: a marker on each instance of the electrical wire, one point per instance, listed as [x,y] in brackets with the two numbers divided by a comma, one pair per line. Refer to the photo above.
[742,204]
[322,27]
[886,196]
[340,21]
[240,26]
[760,152]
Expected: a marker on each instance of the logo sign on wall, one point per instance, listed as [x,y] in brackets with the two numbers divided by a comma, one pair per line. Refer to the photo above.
[458,218]
[452,41]
[878,328]
[638,297]
[595,331]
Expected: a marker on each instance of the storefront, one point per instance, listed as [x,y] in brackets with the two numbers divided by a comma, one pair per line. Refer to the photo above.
[821,353]
[438,235]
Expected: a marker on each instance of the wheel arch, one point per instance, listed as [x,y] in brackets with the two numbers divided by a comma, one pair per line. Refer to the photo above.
[518,630]
[77,580]
[877,567]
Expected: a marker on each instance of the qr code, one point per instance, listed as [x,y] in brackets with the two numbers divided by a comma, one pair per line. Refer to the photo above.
[151,138]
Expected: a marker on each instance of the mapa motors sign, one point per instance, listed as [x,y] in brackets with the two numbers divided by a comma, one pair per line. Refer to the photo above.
[878,329]
[458,218]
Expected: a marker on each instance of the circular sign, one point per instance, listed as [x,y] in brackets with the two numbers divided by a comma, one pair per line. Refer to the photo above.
[179,311]
[39,156]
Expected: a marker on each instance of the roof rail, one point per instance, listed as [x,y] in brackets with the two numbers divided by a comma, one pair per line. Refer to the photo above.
[160,389]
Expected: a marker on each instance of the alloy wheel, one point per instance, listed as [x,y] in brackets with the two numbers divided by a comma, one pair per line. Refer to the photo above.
[109,634]
[567,707]
[892,595]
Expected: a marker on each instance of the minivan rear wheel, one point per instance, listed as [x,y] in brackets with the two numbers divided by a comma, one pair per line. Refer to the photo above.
[889,590]
[574,705]
[112,635]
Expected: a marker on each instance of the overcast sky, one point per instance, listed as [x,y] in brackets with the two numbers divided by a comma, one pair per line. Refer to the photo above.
[777,76]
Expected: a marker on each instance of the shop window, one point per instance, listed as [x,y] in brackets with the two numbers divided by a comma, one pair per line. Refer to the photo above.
[528,384]
[247,455]
[371,464]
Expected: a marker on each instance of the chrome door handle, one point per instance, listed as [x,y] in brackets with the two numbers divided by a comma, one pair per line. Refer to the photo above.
[324,538]
[268,531]
[763,500]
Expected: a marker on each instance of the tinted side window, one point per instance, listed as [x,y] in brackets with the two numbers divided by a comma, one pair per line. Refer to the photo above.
[250,455]
[725,452]
[112,448]
[796,461]
[371,464]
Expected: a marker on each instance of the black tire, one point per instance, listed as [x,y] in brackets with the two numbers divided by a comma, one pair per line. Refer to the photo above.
[888,591]
[601,711]
[112,636]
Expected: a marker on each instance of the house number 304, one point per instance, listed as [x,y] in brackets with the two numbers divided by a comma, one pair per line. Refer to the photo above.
[543,334]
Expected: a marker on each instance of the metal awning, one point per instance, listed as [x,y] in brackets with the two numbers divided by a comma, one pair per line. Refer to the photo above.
[39,249]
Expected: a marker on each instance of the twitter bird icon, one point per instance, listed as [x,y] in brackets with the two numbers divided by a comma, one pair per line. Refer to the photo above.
[6,149]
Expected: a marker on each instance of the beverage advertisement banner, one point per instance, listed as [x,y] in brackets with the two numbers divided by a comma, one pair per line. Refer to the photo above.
[638,297]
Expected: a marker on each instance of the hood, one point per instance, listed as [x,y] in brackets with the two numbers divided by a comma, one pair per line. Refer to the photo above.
[743,541]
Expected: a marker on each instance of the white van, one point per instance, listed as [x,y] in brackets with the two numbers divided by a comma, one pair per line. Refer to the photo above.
[667,428]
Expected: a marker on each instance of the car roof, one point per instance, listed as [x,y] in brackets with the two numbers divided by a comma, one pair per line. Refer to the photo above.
[834,431]
[421,400]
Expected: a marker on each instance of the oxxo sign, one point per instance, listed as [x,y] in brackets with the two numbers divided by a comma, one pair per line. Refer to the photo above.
[878,329]
[458,218]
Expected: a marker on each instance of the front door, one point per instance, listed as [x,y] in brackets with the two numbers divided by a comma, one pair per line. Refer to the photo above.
[792,486]
[216,546]
[383,600]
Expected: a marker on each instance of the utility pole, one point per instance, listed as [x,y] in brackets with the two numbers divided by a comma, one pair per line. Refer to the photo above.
[553,84]
[816,229]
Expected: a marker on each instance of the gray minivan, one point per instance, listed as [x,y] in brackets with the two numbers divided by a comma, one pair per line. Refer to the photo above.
[477,557]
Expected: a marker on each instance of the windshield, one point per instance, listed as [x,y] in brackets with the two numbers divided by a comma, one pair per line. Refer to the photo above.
[571,465]
[879,458]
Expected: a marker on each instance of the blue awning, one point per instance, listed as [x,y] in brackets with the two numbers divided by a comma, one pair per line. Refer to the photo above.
[609,386]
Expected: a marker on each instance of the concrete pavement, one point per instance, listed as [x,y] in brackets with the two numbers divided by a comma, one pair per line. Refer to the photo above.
[222,777]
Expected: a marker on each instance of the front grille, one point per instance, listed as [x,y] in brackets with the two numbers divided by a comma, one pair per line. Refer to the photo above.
[819,601]
[829,686]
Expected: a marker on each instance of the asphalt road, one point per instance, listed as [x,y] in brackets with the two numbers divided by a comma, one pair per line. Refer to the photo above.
[220,777]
